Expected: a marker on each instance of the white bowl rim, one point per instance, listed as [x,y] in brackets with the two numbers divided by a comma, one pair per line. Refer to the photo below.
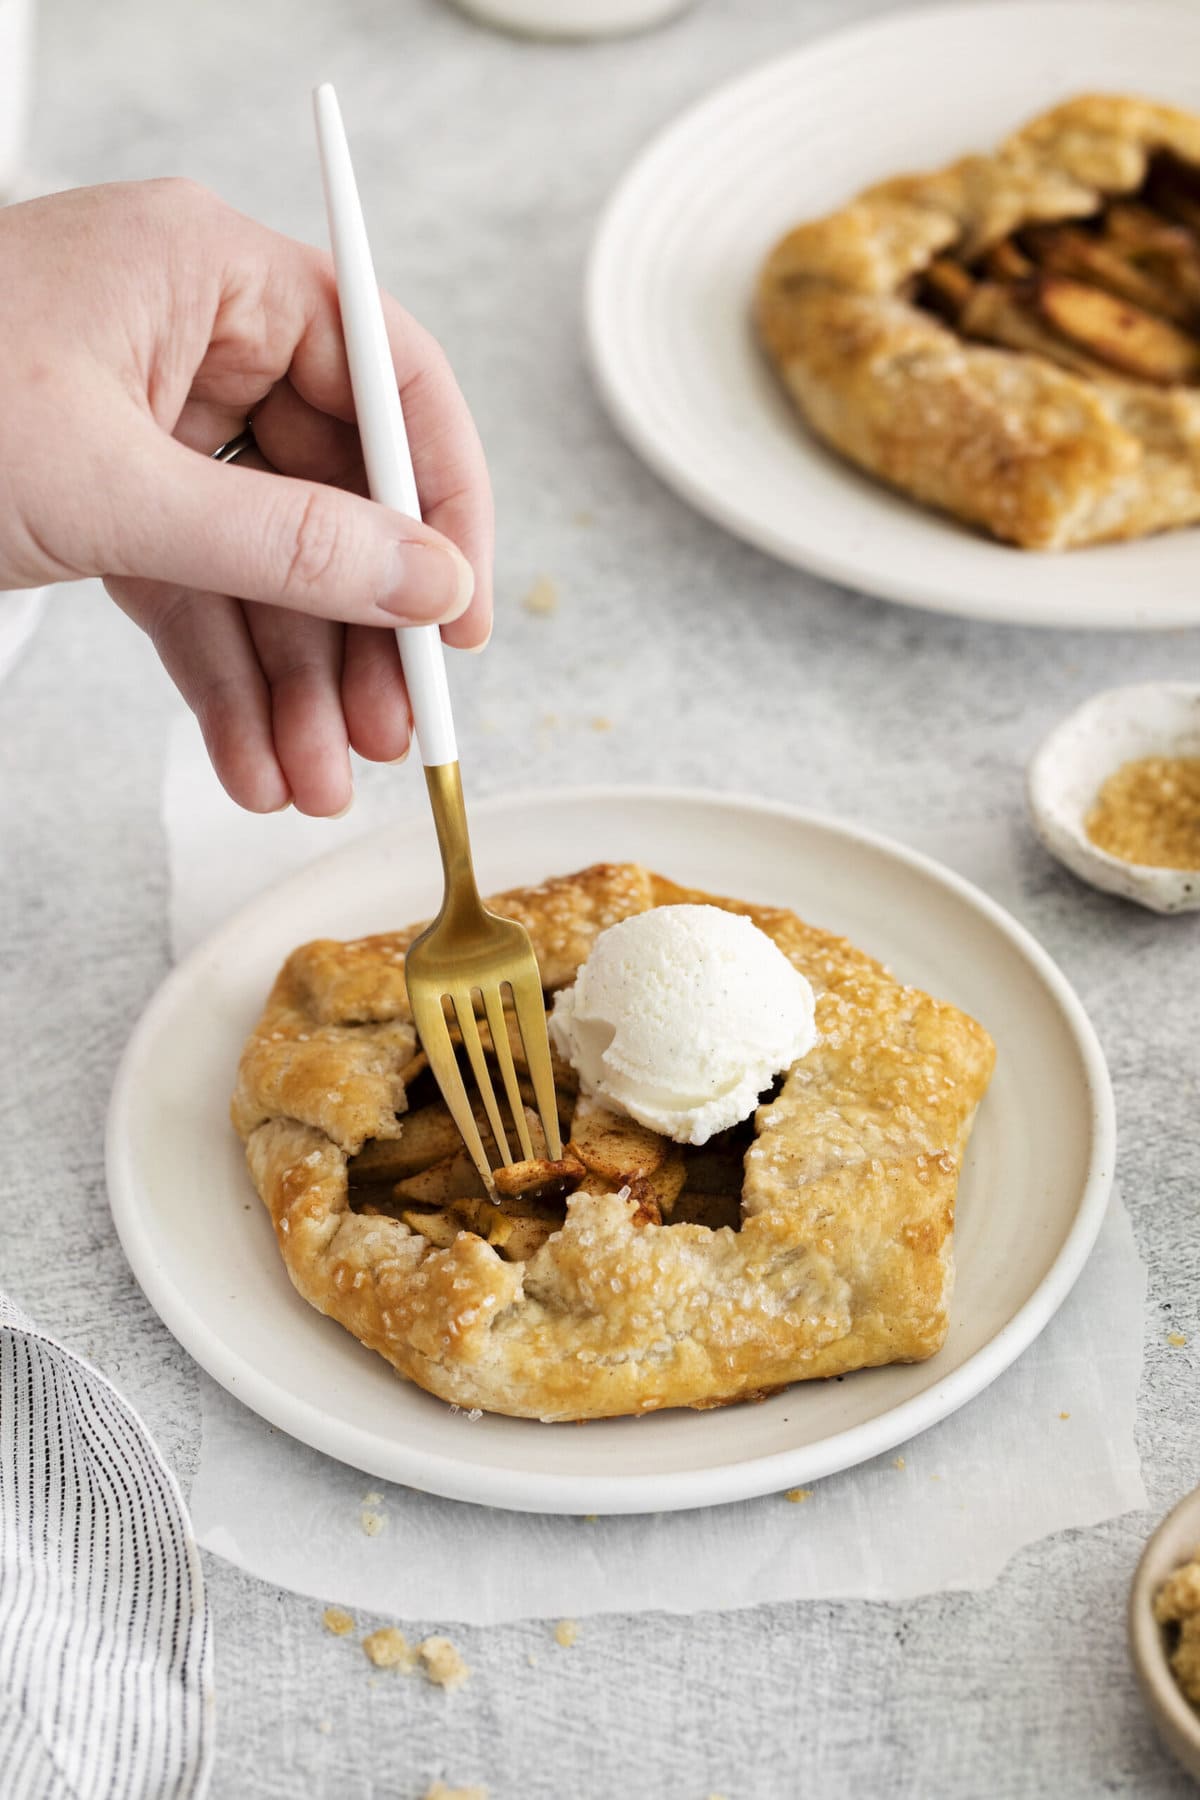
[1146,1647]
[1179,887]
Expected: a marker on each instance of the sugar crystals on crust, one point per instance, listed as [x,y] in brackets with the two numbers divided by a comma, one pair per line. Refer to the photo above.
[813,1241]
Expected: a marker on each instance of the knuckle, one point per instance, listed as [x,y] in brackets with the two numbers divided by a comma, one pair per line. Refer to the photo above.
[166,623]
[214,703]
[298,669]
[180,192]
[314,544]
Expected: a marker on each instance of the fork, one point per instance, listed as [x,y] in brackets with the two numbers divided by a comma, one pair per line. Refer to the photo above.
[467,951]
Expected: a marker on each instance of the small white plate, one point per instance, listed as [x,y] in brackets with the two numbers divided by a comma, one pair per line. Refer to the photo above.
[1031,1200]
[678,249]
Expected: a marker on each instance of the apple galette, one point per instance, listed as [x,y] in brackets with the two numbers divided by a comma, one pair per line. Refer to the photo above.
[1014,339]
[686,1262]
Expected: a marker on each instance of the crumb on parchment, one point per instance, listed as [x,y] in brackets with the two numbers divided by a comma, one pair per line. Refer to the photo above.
[897,1462]
[566,1633]
[373,1523]
[337,1620]
[1176,1339]
[798,1496]
[542,598]
[438,1790]
[390,1649]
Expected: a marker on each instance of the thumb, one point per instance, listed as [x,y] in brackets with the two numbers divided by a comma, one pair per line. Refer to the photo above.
[315,549]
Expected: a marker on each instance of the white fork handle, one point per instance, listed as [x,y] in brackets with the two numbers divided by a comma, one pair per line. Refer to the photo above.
[380,415]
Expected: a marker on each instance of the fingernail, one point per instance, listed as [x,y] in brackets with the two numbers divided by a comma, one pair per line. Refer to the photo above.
[434,585]
[478,649]
[395,761]
[282,807]
[344,811]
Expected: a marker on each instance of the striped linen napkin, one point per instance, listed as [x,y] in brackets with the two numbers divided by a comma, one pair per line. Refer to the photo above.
[105,1646]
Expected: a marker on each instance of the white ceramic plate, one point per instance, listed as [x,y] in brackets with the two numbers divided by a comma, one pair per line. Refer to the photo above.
[1031,1199]
[677,252]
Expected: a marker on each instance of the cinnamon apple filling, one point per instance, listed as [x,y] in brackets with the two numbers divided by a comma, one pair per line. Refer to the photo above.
[1114,293]
[426,1178]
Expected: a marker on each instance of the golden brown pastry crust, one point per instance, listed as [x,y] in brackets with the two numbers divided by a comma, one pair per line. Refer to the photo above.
[843,1259]
[1040,455]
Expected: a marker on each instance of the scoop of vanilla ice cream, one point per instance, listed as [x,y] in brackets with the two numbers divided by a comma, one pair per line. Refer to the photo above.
[681,1016]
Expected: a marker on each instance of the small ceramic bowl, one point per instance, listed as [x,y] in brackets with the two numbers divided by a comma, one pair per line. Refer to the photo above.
[1175,1542]
[573,18]
[1156,718]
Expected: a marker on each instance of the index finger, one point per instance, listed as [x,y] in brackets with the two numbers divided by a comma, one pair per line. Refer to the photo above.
[448,458]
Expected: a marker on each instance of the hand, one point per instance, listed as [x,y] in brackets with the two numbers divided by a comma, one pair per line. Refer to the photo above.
[142,325]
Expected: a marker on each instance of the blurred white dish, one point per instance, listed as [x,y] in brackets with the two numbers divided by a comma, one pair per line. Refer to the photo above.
[1152,718]
[573,18]
[678,249]
[20,610]
[16,87]
[1033,1192]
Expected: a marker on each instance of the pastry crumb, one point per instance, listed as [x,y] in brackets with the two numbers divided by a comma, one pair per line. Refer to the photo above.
[372,1499]
[439,1791]
[600,723]
[590,1518]
[542,598]
[337,1620]
[532,1660]
[443,1664]
[897,1462]
[1064,1415]
[324,1727]
[390,1649]
[583,518]
[798,1496]
[373,1523]
[566,1633]
[1176,1339]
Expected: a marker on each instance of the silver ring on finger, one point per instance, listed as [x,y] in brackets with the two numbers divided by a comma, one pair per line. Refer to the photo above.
[237,446]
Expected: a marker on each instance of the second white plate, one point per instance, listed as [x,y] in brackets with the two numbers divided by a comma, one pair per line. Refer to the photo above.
[677,253]
[1032,1196]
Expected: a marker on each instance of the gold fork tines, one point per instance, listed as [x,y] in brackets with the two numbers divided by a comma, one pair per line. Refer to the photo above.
[469,952]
